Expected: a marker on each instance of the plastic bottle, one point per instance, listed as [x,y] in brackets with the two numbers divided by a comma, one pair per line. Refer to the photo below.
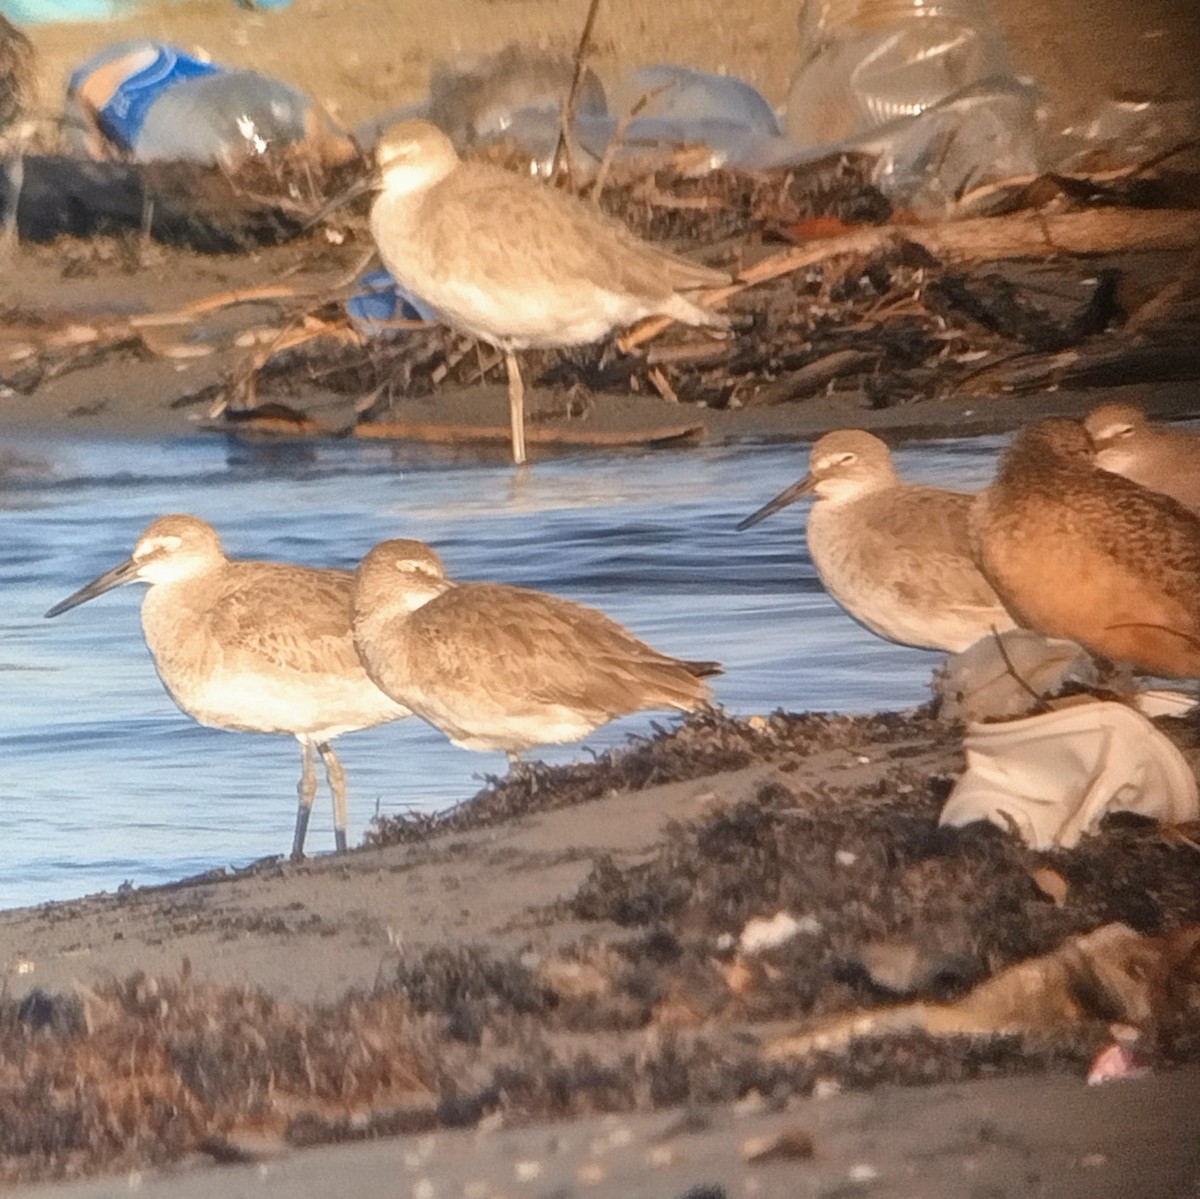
[868,62]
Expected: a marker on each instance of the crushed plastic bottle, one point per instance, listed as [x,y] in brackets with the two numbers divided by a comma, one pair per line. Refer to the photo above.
[924,85]
[153,102]
[674,93]
[722,119]
[869,62]
[1128,131]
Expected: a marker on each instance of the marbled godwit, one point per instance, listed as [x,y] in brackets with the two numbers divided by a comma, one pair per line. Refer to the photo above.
[500,667]
[516,264]
[896,556]
[1080,553]
[259,647]
[1165,460]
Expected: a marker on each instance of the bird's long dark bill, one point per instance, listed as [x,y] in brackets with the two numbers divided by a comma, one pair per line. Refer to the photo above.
[117,577]
[789,496]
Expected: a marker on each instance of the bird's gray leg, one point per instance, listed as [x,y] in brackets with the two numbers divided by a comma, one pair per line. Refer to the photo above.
[307,790]
[516,406]
[337,784]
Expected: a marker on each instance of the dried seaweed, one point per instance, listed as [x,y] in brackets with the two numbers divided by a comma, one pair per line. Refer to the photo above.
[646,1000]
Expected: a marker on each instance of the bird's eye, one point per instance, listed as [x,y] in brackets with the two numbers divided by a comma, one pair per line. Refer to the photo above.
[158,545]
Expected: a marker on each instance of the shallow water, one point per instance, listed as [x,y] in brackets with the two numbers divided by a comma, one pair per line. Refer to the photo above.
[104,780]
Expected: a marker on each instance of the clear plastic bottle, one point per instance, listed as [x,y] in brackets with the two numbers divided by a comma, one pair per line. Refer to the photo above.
[869,62]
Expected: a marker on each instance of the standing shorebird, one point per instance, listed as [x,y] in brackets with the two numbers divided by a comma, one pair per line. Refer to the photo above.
[514,263]
[1080,553]
[500,667]
[896,556]
[258,647]
[1165,460]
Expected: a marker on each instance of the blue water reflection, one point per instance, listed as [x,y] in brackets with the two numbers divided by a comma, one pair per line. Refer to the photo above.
[103,780]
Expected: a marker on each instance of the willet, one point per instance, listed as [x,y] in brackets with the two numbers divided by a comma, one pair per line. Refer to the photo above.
[514,263]
[895,555]
[257,647]
[495,666]
[1080,553]
[1166,460]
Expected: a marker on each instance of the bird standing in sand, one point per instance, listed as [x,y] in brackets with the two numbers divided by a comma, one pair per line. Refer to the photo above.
[896,556]
[1165,460]
[257,647]
[514,263]
[498,667]
[1080,553]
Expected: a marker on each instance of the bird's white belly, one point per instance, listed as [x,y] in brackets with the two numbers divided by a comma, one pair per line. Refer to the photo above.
[480,724]
[529,308]
[908,611]
[525,316]
[325,707]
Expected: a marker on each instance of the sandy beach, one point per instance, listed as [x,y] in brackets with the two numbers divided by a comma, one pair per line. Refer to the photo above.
[544,995]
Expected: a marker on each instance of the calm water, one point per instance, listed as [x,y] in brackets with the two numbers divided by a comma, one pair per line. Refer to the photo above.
[104,780]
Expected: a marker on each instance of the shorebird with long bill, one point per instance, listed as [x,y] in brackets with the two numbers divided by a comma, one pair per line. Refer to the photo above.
[255,647]
[517,264]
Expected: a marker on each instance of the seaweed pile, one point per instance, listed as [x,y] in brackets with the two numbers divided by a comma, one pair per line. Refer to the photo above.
[655,994]
[863,299]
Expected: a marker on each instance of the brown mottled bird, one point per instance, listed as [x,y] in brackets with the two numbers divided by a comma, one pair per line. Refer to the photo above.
[257,647]
[895,555]
[495,666]
[1166,460]
[514,263]
[18,80]
[1080,553]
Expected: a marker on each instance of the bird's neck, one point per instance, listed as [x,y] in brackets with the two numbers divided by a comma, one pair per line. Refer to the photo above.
[412,178]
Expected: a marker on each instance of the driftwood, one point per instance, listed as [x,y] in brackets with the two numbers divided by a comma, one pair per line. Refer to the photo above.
[985,239]
[896,311]
[1086,367]
[536,435]
[813,377]
[1110,974]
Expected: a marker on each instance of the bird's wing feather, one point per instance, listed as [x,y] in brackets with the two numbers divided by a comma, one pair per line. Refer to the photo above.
[293,617]
[919,541]
[568,238]
[525,646]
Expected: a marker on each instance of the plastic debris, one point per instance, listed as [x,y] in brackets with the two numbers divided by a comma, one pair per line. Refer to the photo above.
[380,299]
[1006,674]
[153,102]
[925,86]
[1127,132]
[869,62]
[1051,778]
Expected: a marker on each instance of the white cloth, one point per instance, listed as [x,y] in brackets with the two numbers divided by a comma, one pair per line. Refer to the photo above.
[1052,777]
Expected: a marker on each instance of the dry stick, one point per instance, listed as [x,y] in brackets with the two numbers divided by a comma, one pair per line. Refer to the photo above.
[614,142]
[1009,665]
[1163,300]
[982,239]
[567,117]
[536,434]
